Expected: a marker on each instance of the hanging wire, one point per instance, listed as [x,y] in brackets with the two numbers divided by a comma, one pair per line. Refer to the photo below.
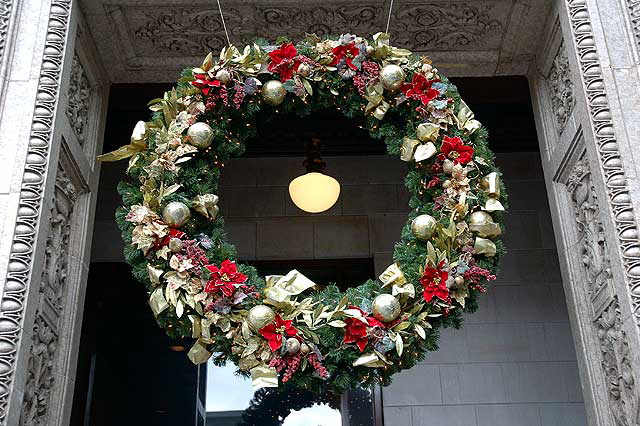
[224,25]
[388,18]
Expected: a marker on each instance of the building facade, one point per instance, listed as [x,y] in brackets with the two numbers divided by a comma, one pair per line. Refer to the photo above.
[581,58]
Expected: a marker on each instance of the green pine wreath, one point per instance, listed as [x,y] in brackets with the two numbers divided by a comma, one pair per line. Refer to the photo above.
[285,328]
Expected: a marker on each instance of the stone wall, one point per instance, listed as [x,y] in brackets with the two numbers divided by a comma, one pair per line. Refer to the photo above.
[512,364]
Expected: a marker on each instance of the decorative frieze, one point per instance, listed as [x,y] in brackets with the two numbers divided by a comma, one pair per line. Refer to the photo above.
[560,88]
[78,98]
[22,250]
[5,15]
[41,373]
[634,15]
[618,198]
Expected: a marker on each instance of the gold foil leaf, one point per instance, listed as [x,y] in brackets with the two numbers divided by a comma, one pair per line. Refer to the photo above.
[157,301]
[206,205]
[408,147]
[154,274]
[198,353]
[493,205]
[428,132]
[281,288]
[136,146]
[368,360]
[465,119]
[264,377]
[491,184]
[248,362]
[484,246]
[407,289]
[425,151]
[392,275]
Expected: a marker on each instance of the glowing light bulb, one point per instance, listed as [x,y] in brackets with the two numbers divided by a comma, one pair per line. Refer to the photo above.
[314,192]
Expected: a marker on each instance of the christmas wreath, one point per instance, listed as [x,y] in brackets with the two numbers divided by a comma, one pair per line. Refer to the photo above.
[284,328]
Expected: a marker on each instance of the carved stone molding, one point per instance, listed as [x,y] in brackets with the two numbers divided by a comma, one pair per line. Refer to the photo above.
[21,254]
[616,361]
[634,14]
[79,98]
[560,88]
[41,372]
[448,26]
[5,14]
[593,247]
[618,197]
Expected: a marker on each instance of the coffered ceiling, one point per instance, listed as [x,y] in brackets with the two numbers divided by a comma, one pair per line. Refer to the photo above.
[152,40]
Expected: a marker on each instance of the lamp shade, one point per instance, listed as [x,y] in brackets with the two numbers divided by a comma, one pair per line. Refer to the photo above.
[314,192]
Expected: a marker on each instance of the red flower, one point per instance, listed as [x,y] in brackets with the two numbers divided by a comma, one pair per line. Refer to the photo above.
[347,53]
[356,330]
[224,278]
[420,89]
[273,332]
[283,61]
[434,283]
[173,233]
[204,83]
[456,150]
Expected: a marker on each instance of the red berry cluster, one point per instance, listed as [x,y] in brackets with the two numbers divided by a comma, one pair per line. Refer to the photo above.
[315,362]
[290,364]
[477,277]
[194,253]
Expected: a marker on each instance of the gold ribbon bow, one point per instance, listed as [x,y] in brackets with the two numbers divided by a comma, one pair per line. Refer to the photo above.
[206,205]
[388,54]
[376,105]
[422,148]
[138,144]
[157,301]
[491,186]
[198,354]
[484,246]
[465,119]
[280,288]
[394,277]
[264,377]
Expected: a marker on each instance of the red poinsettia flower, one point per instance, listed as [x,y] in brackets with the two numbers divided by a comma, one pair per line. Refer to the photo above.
[173,233]
[356,330]
[204,83]
[283,61]
[224,279]
[434,283]
[347,52]
[275,331]
[455,150]
[420,89]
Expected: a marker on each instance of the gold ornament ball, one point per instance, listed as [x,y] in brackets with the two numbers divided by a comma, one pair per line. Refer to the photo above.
[369,50]
[386,308]
[304,348]
[176,214]
[175,245]
[273,92]
[423,227]
[224,76]
[200,135]
[292,345]
[259,316]
[480,218]
[304,70]
[458,280]
[392,76]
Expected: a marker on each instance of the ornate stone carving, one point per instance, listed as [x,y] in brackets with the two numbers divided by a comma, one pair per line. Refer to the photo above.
[561,88]
[21,255]
[634,15]
[190,31]
[436,26]
[615,181]
[592,234]
[617,367]
[79,96]
[447,26]
[41,369]
[5,14]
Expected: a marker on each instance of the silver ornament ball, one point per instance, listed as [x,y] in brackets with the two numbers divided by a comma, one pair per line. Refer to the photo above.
[224,76]
[175,245]
[176,214]
[304,70]
[292,345]
[423,227]
[386,308]
[273,92]
[392,76]
[259,316]
[200,135]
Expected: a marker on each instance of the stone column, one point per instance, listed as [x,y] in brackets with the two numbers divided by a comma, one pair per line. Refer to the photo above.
[586,90]
[53,102]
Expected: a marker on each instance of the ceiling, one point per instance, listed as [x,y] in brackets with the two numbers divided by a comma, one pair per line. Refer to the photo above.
[152,40]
